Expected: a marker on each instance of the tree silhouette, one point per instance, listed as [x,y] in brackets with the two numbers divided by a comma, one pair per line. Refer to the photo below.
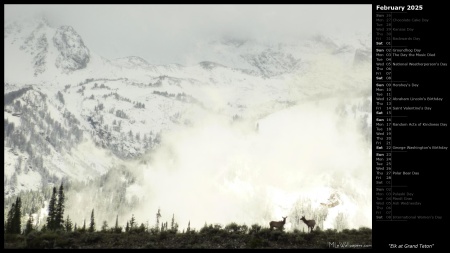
[52,211]
[68,224]
[117,229]
[173,225]
[17,215]
[105,226]
[92,224]
[132,222]
[29,226]
[83,229]
[9,219]
[59,213]
[13,223]
[158,215]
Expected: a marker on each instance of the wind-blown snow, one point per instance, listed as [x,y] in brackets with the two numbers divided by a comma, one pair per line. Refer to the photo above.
[227,173]
[250,131]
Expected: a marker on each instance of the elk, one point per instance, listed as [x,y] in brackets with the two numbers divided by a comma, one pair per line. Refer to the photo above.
[309,223]
[277,224]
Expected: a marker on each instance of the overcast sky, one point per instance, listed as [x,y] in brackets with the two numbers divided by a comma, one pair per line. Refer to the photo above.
[163,33]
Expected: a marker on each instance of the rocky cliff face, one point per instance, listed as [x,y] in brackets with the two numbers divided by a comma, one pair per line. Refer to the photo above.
[74,54]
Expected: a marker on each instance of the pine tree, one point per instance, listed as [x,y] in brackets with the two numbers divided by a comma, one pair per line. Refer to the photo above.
[9,219]
[132,222]
[59,214]
[92,224]
[145,140]
[138,137]
[189,227]
[172,224]
[158,215]
[83,229]
[117,229]
[141,228]
[127,228]
[17,225]
[29,227]
[68,224]
[105,226]
[52,211]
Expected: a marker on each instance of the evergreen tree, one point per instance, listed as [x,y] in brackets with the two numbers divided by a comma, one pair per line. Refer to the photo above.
[145,140]
[52,211]
[60,97]
[117,229]
[132,222]
[29,226]
[17,225]
[59,212]
[105,226]
[92,224]
[127,228]
[68,225]
[189,227]
[130,134]
[138,137]
[83,229]
[9,219]
[141,228]
[172,224]
[158,215]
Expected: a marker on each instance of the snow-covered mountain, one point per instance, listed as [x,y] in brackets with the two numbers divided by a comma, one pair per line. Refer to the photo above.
[71,114]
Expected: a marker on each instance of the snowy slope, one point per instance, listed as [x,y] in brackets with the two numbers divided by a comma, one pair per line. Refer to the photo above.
[74,115]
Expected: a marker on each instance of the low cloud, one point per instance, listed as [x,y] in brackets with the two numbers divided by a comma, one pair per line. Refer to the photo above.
[165,33]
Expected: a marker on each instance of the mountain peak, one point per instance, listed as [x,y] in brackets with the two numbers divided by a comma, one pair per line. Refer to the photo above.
[26,23]
[74,54]
[40,50]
